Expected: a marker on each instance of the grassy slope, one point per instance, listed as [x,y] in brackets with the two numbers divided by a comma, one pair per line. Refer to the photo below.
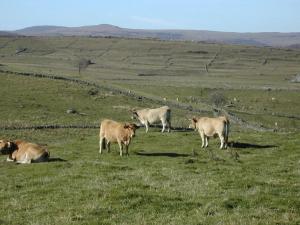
[175,63]
[160,183]
[173,69]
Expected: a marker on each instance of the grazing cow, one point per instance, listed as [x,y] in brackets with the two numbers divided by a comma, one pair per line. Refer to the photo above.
[211,127]
[23,152]
[112,132]
[150,116]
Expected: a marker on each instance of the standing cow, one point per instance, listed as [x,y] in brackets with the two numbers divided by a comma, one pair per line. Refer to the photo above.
[23,152]
[115,132]
[149,116]
[210,127]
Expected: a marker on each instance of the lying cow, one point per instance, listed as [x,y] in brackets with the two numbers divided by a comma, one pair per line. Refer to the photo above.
[23,152]
[150,116]
[211,127]
[115,132]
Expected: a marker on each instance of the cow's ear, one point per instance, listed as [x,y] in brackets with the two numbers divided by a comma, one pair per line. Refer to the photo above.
[126,125]
[194,119]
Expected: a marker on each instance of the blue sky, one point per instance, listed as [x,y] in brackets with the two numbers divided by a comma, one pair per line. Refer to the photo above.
[219,15]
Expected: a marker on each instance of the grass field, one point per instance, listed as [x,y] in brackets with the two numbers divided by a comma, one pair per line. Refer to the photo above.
[168,178]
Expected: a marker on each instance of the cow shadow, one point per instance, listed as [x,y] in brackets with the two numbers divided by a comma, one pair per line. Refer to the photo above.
[181,129]
[248,145]
[166,154]
[173,129]
[56,160]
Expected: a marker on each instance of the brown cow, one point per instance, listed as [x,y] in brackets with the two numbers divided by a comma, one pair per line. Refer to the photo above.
[115,132]
[23,152]
[210,127]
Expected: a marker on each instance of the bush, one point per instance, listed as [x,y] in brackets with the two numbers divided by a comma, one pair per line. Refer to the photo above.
[218,99]
[296,78]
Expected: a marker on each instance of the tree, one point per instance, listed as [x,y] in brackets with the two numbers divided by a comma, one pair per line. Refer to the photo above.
[218,99]
[83,64]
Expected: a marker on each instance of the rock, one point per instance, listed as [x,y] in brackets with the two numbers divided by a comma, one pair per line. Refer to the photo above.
[71,111]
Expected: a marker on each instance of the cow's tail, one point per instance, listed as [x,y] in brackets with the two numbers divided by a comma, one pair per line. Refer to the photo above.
[169,117]
[226,131]
[46,155]
[168,113]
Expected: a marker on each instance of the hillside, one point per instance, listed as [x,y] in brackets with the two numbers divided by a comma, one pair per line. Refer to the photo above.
[167,178]
[255,39]
[8,34]
[256,82]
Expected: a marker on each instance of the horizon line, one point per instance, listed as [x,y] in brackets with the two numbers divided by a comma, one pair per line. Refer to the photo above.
[161,29]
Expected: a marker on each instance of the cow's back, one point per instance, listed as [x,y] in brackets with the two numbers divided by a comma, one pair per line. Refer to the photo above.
[110,129]
[211,126]
[32,150]
[207,125]
[155,115]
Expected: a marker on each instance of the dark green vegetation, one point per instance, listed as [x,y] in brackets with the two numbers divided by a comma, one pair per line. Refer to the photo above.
[163,181]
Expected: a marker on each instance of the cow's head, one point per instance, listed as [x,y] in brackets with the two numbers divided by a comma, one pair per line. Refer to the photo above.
[193,123]
[7,147]
[131,128]
[134,114]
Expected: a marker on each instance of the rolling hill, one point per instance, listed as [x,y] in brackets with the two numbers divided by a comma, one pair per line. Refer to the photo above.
[274,39]
[8,34]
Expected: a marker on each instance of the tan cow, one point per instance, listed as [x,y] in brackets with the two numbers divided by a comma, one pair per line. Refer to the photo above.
[149,116]
[23,152]
[211,127]
[115,132]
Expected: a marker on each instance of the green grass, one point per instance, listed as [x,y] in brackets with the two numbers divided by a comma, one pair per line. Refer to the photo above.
[261,188]
[163,181]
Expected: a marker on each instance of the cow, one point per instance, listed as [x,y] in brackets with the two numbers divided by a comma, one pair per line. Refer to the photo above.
[149,116]
[20,151]
[115,132]
[211,127]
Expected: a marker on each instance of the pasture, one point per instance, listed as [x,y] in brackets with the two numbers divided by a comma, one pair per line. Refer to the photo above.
[167,178]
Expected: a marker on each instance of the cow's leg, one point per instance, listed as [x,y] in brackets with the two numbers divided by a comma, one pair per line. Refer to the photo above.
[225,143]
[108,146]
[9,159]
[24,160]
[147,126]
[101,144]
[169,126]
[126,149]
[164,126]
[206,140]
[121,147]
[202,139]
[222,139]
